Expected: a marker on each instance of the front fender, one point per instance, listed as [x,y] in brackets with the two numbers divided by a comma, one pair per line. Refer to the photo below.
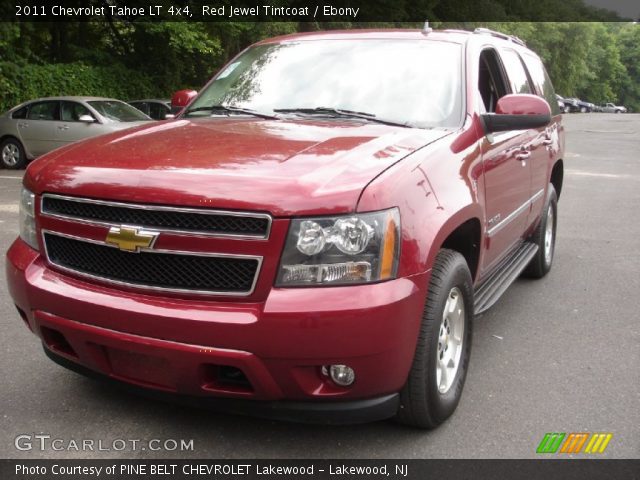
[437,190]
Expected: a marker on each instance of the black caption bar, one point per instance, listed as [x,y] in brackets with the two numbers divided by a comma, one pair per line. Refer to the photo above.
[318,469]
[309,10]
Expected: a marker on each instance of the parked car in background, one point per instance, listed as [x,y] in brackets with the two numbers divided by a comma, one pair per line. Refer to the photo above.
[561,104]
[585,107]
[155,108]
[36,127]
[612,108]
[571,105]
[301,246]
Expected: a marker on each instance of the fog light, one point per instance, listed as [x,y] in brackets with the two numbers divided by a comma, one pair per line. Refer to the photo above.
[341,374]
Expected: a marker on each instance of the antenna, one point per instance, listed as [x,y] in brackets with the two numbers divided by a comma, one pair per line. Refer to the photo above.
[426,29]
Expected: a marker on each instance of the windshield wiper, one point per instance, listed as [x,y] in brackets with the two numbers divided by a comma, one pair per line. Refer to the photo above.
[340,112]
[231,109]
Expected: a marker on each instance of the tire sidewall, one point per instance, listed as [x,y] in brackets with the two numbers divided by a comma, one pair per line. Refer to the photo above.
[444,404]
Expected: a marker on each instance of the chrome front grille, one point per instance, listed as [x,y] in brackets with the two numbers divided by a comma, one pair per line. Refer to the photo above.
[194,221]
[190,272]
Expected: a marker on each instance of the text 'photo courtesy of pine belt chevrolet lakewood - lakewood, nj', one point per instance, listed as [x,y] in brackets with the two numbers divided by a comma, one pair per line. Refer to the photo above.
[310,238]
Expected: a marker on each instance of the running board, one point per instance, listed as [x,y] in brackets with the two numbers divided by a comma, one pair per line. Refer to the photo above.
[506,273]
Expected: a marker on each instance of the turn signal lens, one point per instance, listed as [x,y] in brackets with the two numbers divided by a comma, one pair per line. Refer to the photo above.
[27,220]
[389,250]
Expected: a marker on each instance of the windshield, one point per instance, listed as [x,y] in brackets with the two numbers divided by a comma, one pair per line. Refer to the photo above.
[118,111]
[414,82]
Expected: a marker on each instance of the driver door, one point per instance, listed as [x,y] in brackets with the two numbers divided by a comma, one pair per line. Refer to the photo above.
[506,169]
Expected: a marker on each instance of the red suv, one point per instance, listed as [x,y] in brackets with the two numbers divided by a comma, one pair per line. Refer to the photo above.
[312,237]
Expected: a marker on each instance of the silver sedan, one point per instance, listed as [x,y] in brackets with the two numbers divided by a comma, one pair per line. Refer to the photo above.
[36,127]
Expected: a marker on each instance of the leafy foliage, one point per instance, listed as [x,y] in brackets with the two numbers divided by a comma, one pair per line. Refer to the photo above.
[596,61]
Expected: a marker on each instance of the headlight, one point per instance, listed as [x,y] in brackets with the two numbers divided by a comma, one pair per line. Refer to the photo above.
[351,249]
[28,219]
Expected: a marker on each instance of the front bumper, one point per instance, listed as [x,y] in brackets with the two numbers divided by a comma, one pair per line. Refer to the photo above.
[174,346]
[339,413]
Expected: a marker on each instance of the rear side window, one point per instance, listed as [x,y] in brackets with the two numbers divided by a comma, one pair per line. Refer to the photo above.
[516,72]
[44,111]
[21,113]
[142,106]
[157,110]
[541,81]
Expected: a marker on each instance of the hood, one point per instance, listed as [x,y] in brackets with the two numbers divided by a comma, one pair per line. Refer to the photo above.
[282,167]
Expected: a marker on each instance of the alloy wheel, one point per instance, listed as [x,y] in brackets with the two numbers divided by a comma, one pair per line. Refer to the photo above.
[10,155]
[450,340]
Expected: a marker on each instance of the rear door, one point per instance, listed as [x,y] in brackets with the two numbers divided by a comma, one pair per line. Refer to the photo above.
[550,139]
[39,130]
[506,168]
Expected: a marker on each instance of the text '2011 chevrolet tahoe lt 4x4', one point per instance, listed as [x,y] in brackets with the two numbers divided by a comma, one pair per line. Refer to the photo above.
[311,237]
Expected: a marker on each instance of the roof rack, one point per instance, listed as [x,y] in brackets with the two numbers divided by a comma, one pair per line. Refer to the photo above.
[504,36]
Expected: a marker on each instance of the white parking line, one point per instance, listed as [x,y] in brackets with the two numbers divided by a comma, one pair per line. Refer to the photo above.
[9,176]
[601,175]
[12,208]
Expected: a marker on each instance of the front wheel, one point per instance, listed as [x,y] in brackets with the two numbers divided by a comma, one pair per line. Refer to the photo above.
[12,154]
[441,359]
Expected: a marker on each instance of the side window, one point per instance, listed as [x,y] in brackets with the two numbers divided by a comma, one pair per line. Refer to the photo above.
[72,111]
[542,82]
[21,113]
[491,84]
[516,72]
[142,106]
[44,111]
[155,111]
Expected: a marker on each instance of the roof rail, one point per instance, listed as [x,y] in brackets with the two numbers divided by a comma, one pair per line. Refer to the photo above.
[504,36]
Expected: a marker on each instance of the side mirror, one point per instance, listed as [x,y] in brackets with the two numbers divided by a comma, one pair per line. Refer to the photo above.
[181,99]
[86,118]
[518,112]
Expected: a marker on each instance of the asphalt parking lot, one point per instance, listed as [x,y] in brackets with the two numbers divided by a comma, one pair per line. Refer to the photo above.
[557,355]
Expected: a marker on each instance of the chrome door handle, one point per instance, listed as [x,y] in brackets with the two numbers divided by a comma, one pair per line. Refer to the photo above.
[23,125]
[523,156]
[63,127]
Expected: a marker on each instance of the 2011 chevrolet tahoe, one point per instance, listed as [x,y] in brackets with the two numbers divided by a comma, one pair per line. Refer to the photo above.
[311,237]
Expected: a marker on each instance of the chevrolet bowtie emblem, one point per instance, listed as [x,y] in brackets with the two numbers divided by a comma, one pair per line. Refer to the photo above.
[130,239]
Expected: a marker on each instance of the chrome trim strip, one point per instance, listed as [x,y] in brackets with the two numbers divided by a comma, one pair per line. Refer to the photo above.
[164,208]
[151,250]
[513,215]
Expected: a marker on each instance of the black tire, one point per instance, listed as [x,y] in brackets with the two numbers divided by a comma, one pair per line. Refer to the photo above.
[541,263]
[12,154]
[421,402]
